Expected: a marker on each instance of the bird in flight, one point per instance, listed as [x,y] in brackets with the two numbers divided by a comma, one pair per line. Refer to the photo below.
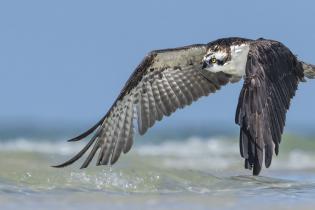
[170,79]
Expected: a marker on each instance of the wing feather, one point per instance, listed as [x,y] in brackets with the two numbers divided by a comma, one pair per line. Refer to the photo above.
[129,131]
[171,94]
[152,105]
[120,140]
[160,109]
[143,112]
[178,77]
[91,155]
[164,98]
[180,98]
[189,86]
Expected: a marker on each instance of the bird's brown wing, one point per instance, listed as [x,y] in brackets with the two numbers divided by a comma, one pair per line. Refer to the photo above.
[272,77]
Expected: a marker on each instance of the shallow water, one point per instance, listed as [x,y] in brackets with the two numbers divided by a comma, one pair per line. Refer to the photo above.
[198,173]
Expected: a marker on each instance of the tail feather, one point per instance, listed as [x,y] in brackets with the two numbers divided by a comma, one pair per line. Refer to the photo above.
[309,70]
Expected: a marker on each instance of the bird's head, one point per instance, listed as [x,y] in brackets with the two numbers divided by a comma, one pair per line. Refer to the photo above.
[227,55]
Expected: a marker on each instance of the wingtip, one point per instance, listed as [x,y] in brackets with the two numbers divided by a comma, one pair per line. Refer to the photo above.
[256,169]
[88,132]
[74,139]
[77,156]
[58,166]
[82,136]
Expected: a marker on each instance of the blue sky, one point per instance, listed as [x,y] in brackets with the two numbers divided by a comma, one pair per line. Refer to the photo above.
[65,61]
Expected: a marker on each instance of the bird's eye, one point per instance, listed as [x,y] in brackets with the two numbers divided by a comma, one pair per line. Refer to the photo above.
[213,60]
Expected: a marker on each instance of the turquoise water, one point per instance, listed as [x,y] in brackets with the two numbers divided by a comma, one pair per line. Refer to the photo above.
[188,173]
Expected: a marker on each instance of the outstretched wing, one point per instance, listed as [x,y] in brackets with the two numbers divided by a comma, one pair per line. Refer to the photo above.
[272,77]
[166,80]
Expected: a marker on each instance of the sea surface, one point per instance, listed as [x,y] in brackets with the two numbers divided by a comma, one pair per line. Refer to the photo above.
[158,173]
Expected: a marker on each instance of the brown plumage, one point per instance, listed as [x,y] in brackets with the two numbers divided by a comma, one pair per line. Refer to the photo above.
[272,77]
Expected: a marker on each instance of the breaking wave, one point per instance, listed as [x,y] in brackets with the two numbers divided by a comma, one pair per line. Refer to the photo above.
[191,153]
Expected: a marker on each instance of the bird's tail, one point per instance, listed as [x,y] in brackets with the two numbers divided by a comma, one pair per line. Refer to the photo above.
[309,70]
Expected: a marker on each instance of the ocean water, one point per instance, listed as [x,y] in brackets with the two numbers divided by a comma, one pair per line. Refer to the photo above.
[181,173]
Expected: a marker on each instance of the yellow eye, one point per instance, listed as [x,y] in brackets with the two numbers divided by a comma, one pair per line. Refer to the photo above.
[213,60]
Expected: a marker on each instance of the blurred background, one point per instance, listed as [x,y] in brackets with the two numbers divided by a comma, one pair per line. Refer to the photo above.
[63,63]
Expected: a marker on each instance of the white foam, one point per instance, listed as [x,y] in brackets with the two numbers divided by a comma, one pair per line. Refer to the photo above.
[296,160]
[191,153]
[43,146]
[192,147]
[194,153]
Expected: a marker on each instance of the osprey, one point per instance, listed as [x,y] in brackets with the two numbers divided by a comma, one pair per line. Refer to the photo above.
[170,79]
